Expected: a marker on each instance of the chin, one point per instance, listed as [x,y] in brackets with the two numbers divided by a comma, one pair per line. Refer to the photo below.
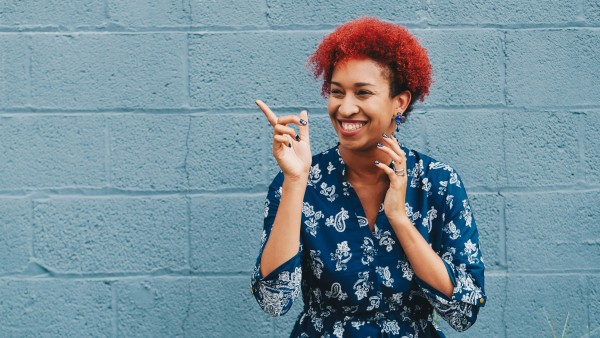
[359,144]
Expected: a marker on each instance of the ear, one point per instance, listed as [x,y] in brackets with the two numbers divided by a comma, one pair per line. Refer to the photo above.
[401,101]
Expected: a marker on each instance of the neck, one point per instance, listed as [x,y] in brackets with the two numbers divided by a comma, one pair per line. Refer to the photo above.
[360,166]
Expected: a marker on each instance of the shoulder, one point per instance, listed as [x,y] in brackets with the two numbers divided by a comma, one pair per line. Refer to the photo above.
[426,166]
[326,161]
[326,156]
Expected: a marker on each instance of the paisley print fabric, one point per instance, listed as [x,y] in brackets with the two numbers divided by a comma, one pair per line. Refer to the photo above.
[358,283]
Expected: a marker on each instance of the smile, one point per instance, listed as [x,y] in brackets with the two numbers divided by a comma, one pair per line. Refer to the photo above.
[350,126]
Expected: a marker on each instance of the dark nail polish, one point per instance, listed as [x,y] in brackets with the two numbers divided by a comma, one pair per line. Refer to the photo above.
[302,122]
[298,138]
[376,162]
[289,145]
[385,136]
[379,145]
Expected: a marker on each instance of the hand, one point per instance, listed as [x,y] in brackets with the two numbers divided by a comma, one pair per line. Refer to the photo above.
[394,203]
[291,151]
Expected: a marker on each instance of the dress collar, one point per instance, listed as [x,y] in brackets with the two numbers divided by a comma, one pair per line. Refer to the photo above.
[336,166]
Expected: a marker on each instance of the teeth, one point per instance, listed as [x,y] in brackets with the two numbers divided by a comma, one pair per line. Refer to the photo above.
[352,126]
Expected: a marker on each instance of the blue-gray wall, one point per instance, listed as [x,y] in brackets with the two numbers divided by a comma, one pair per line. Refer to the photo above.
[134,163]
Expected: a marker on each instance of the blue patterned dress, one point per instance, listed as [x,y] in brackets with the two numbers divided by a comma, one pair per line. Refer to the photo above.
[358,283]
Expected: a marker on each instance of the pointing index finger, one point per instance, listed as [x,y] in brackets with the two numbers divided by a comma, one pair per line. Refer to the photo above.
[271,117]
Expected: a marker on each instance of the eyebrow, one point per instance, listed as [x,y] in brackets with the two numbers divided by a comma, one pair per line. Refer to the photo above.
[358,84]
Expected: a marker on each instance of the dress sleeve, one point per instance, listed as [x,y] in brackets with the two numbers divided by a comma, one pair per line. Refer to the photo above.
[463,260]
[276,292]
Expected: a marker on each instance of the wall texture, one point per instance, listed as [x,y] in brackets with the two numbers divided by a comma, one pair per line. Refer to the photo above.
[134,164]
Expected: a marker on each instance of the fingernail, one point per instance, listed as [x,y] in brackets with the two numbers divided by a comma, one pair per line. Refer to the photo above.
[379,145]
[376,162]
[385,135]
[289,145]
[302,122]
[298,138]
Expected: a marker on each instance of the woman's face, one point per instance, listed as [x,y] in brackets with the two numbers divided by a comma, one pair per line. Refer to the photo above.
[359,104]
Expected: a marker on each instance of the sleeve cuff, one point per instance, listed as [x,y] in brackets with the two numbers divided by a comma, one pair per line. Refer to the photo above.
[464,289]
[290,265]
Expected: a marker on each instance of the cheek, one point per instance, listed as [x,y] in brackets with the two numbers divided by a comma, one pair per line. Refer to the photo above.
[331,105]
[332,108]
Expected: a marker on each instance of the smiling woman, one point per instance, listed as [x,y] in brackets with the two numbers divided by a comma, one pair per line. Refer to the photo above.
[374,235]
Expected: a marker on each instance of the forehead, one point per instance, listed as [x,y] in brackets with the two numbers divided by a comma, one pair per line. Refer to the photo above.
[360,70]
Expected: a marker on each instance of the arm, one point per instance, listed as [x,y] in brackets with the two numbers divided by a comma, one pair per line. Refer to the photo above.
[424,261]
[284,240]
[426,264]
[276,287]
[278,273]
[462,258]
[456,289]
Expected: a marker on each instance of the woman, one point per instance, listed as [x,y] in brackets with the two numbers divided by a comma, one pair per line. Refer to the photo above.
[375,235]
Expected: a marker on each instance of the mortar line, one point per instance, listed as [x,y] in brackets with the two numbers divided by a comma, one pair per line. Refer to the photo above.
[323,28]
[504,231]
[425,130]
[265,7]
[187,152]
[28,65]
[3,93]
[107,157]
[242,275]
[258,190]
[32,229]
[589,320]
[187,196]
[124,276]
[106,12]
[581,11]
[319,110]
[115,320]
[188,202]
[581,135]
[504,307]
[504,66]
[186,72]
[190,11]
[188,307]
[588,297]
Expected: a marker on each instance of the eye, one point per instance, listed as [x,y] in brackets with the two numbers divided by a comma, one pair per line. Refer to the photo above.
[364,92]
[336,92]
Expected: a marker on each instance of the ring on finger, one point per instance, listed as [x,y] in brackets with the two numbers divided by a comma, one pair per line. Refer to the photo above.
[399,172]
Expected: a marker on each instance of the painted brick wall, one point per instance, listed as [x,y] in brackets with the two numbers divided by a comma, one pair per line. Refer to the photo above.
[134,164]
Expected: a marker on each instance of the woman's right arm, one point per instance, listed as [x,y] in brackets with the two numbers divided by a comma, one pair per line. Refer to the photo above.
[276,289]
[284,240]
[278,273]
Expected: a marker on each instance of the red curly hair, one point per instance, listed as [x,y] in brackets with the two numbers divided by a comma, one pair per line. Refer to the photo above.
[390,45]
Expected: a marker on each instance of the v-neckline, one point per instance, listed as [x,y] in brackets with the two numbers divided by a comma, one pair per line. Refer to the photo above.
[360,212]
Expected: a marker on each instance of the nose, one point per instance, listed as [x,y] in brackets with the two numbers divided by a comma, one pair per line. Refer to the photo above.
[348,107]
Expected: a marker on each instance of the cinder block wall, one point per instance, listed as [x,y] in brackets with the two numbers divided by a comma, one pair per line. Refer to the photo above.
[134,163]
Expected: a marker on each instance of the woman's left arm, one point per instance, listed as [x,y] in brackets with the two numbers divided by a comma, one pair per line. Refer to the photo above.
[452,280]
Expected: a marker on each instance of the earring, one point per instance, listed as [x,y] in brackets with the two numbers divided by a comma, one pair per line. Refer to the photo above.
[399,120]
